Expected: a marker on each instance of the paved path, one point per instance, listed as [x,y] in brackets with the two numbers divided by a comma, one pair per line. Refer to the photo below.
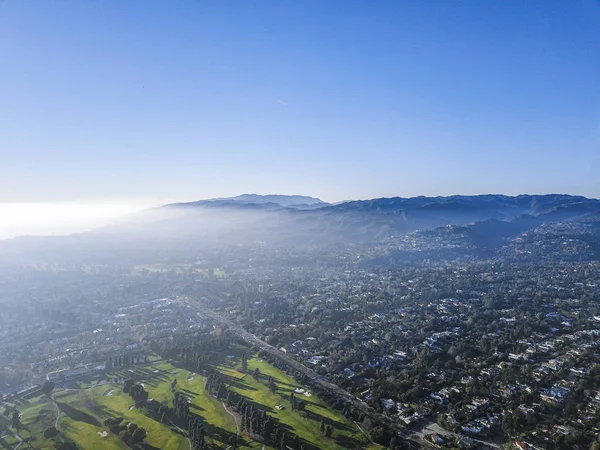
[237,428]
[183,433]
[57,410]
[52,397]
[20,441]
[365,433]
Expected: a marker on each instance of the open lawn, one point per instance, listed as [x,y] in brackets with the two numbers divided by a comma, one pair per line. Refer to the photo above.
[83,410]
[305,424]
[83,413]
[157,379]
[37,413]
[8,441]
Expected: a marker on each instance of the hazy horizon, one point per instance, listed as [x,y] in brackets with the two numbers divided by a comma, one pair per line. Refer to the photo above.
[68,217]
[106,116]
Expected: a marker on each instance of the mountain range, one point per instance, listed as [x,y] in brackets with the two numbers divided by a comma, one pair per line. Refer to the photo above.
[270,200]
[487,221]
[498,216]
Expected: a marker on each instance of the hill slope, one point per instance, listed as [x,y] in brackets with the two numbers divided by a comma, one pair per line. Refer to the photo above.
[183,230]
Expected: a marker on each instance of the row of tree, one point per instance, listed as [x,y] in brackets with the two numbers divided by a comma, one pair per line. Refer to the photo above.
[126,360]
[130,433]
[136,391]
[254,421]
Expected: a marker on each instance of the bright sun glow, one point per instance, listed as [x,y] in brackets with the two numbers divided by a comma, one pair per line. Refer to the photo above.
[61,217]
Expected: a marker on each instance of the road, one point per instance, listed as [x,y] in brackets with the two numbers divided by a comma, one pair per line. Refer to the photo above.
[316,378]
[312,375]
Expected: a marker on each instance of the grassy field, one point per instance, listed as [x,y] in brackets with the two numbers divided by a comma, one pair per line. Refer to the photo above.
[37,413]
[83,410]
[305,424]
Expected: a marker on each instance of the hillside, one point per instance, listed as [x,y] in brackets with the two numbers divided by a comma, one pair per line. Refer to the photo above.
[183,230]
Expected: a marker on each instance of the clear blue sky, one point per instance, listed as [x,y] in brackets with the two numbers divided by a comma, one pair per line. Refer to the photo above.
[337,99]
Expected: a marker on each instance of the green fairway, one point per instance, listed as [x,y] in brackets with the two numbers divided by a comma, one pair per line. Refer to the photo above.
[37,413]
[83,410]
[83,413]
[305,424]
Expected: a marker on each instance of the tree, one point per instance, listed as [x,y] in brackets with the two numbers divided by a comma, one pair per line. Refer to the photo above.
[16,420]
[50,432]
[125,436]
[128,385]
[132,427]
[272,385]
[507,424]
[282,442]
[139,434]
[68,445]
[47,387]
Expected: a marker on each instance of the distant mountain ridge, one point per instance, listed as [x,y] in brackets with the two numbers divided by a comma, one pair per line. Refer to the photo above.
[524,204]
[492,217]
[286,201]
[486,222]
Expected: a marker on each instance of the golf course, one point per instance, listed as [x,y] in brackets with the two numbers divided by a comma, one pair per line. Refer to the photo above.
[79,411]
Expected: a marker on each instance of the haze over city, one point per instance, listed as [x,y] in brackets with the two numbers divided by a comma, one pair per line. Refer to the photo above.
[110,101]
[299,225]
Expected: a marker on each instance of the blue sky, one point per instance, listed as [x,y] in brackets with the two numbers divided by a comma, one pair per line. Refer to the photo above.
[161,100]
